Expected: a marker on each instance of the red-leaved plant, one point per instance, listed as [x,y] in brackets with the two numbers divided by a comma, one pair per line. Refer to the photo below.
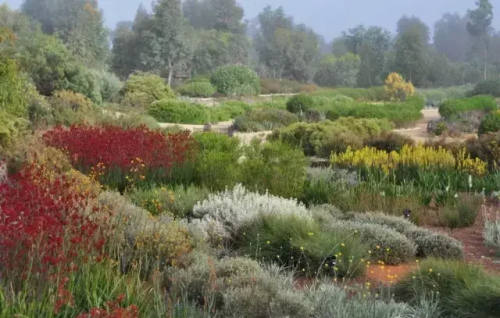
[120,157]
[45,225]
[113,310]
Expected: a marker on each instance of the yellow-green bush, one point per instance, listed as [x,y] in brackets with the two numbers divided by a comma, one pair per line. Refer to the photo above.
[11,128]
[141,89]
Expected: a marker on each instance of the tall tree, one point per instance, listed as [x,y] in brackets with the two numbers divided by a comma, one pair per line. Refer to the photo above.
[479,26]
[411,56]
[406,23]
[339,47]
[168,42]
[78,23]
[271,39]
[373,56]
[451,37]
[221,15]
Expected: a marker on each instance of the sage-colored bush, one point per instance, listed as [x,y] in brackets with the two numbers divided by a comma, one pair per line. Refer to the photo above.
[236,80]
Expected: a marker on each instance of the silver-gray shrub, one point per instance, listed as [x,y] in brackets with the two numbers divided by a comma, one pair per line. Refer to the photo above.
[387,245]
[239,287]
[330,301]
[223,213]
[491,232]
[429,243]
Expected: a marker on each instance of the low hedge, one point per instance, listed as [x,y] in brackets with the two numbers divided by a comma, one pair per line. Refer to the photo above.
[454,107]
[264,119]
[179,112]
[236,80]
[325,137]
[197,89]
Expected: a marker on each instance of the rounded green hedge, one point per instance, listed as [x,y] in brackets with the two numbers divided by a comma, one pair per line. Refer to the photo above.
[300,103]
[490,123]
[141,89]
[237,80]
[179,112]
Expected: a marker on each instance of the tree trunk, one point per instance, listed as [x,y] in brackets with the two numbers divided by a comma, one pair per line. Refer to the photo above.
[485,59]
[170,72]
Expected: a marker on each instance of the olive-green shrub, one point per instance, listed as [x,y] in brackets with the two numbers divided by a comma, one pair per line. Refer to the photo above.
[237,80]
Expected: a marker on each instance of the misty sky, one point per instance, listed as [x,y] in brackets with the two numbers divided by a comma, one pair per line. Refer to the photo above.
[328,17]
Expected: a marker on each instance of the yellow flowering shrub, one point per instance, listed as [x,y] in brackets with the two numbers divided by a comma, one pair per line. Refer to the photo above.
[419,156]
[397,88]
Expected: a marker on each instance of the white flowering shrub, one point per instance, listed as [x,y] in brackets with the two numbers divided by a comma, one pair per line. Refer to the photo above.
[224,213]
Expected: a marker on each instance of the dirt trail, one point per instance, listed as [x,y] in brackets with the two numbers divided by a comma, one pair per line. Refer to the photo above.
[419,132]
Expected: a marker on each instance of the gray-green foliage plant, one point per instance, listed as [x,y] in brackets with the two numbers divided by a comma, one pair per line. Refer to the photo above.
[491,233]
[236,80]
[238,287]
[386,245]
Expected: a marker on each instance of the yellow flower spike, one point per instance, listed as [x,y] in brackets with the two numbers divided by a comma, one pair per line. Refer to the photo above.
[342,244]
[301,248]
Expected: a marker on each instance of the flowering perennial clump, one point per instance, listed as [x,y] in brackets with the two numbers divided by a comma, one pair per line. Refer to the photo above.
[119,157]
[421,157]
[41,224]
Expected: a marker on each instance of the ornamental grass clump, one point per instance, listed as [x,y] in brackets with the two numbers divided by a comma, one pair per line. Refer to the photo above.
[463,289]
[122,157]
[303,245]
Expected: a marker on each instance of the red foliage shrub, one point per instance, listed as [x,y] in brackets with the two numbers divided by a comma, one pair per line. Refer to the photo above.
[42,225]
[113,310]
[118,156]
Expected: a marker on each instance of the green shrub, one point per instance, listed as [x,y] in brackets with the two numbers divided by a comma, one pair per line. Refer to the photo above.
[178,201]
[490,123]
[301,244]
[197,89]
[454,107]
[385,244]
[141,89]
[275,167]
[389,141]
[463,212]
[179,112]
[465,290]
[264,119]
[236,80]
[486,148]
[325,137]
[299,104]
[11,128]
[217,162]
[487,87]
[12,89]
